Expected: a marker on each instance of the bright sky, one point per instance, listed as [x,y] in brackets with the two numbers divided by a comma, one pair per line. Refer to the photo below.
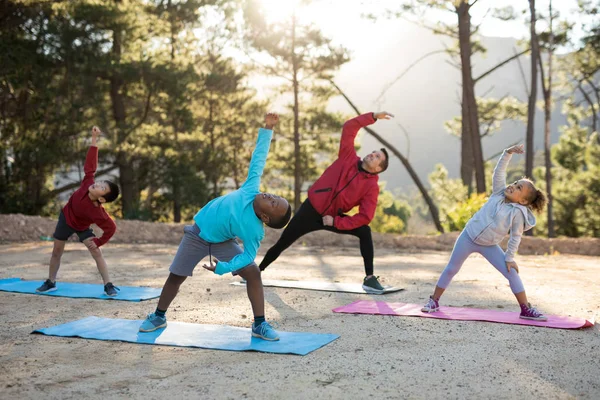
[342,19]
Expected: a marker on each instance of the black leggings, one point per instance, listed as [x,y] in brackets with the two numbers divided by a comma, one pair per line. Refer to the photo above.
[307,220]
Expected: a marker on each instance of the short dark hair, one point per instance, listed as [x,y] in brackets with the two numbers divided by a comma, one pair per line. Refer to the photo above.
[113,194]
[384,163]
[282,221]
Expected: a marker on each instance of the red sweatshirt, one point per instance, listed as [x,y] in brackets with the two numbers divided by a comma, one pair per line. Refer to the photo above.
[80,212]
[343,185]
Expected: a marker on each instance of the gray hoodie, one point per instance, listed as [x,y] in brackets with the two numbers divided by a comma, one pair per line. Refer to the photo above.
[497,217]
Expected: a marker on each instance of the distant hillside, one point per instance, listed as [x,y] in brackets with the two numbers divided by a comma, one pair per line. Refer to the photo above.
[428,95]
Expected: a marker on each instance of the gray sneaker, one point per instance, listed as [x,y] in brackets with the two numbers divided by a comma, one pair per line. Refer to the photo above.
[372,285]
[46,287]
[110,289]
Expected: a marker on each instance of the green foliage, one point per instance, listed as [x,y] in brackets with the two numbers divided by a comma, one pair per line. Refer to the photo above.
[458,216]
[492,112]
[392,214]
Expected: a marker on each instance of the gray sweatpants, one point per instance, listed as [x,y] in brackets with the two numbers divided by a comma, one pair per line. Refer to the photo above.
[193,249]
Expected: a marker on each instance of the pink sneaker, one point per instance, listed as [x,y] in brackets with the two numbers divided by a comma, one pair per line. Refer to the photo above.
[528,312]
[431,306]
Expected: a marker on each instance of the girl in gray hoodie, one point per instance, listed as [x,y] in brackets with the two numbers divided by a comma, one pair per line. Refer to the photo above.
[509,208]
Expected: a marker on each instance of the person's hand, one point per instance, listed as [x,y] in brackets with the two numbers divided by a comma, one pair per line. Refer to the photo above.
[328,220]
[90,244]
[518,149]
[212,267]
[512,264]
[271,120]
[96,132]
[383,115]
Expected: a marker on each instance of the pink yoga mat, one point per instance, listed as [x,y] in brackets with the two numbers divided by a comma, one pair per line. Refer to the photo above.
[461,314]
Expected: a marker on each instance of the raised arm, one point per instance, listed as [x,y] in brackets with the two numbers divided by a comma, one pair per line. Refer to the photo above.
[259,155]
[351,128]
[91,159]
[499,177]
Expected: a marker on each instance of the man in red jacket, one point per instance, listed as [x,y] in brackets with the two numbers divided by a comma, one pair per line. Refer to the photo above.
[83,209]
[347,183]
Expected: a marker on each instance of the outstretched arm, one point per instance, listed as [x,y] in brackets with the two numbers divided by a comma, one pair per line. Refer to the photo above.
[91,159]
[259,156]
[351,128]
[499,177]
[237,262]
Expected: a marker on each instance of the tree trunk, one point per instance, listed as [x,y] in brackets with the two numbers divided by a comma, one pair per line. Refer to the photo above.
[126,172]
[547,119]
[532,94]
[297,161]
[466,151]
[469,103]
[176,189]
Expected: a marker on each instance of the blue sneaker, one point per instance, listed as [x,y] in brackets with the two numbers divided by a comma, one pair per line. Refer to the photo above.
[265,332]
[152,323]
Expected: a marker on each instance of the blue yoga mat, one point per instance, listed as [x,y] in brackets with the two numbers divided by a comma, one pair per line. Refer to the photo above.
[183,334]
[80,290]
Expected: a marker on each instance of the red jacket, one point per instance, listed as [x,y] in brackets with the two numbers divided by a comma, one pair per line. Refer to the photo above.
[343,186]
[80,212]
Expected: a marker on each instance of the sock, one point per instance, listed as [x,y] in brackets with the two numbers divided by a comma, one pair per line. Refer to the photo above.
[160,313]
[258,320]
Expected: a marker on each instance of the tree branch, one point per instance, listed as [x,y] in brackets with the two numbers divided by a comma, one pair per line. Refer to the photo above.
[522,74]
[389,85]
[542,73]
[142,120]
[70,186]
[591,103]
[480,77]
[501,151]
[432,207]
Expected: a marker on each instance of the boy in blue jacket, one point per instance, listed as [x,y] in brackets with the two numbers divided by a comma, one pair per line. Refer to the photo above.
[238,214]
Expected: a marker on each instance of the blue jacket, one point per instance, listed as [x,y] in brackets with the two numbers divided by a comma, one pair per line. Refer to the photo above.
[232,215]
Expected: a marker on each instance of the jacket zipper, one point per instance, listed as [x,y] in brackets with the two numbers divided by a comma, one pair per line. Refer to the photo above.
[323,190]
[341,190]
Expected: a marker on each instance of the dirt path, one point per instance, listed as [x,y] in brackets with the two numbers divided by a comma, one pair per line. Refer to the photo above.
[376,356]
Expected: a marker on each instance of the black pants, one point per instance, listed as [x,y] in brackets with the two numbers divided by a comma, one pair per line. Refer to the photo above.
[307,220]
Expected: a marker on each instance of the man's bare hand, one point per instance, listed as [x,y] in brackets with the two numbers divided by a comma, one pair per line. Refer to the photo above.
[383,115]
[271,120]
[328,220]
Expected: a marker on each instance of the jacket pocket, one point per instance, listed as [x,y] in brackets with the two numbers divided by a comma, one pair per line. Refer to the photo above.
[323,190]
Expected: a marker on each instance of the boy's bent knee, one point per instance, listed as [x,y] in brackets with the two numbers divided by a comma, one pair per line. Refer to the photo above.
[251,272]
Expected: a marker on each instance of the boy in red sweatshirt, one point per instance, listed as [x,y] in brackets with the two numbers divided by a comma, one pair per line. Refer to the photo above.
[349,182]
[83,209]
